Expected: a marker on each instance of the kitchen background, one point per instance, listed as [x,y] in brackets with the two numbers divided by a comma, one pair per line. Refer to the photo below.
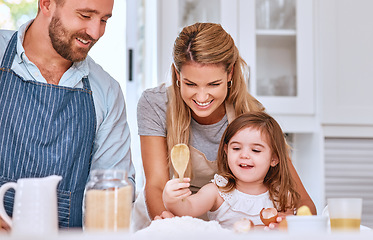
[311,65]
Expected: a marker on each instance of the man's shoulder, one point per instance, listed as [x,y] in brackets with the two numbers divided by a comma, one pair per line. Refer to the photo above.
[98,75]
[5,36]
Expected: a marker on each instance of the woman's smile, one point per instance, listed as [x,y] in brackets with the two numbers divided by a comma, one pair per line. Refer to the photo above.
[203,104]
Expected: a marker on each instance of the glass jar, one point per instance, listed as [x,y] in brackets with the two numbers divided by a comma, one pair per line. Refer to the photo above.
[107,201]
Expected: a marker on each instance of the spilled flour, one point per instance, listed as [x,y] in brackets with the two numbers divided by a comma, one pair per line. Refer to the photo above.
[183,227]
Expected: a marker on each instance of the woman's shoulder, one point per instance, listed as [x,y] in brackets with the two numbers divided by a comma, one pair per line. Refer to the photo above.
[157,91]
[151,111]
[154,96]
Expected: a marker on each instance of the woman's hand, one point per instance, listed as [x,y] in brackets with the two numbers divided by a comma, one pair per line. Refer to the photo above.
[175,191]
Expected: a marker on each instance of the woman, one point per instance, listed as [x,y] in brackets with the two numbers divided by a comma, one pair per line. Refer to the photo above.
[208,90]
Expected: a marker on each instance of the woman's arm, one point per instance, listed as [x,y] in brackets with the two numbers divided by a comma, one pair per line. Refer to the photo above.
[178,199]
[154,158]
[305,199]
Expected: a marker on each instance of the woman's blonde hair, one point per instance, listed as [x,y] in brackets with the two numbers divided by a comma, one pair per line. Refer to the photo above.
[281,186]
[205,44]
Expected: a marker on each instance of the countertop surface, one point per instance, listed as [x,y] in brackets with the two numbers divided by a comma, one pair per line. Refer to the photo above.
[71,235]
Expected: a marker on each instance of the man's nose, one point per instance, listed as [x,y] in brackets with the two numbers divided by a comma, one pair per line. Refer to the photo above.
[94,29]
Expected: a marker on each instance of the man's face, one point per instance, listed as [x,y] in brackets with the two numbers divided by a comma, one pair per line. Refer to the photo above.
[77,25]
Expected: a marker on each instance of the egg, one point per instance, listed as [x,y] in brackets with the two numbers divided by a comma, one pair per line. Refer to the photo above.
[268,215]
[304,211]
[243,225]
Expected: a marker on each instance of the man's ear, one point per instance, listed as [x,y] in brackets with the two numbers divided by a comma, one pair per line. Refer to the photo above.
[45,6]
[274,161]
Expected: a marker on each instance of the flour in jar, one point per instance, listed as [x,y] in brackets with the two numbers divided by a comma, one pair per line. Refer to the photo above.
[108,209]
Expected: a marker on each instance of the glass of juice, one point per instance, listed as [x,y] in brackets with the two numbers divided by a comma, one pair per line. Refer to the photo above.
[345,213]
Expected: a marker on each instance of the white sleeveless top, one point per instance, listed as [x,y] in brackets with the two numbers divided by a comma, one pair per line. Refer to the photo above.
[238,205]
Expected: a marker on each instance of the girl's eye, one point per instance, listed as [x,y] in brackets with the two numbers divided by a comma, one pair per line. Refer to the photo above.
[236,148]
[256,150]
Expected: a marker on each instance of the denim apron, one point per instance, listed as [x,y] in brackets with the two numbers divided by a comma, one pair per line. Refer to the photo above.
[46,129]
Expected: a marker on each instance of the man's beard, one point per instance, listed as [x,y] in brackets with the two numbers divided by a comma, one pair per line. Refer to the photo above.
[63,40]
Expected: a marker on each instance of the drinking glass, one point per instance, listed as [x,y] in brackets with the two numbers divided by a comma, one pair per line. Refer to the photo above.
[345,213]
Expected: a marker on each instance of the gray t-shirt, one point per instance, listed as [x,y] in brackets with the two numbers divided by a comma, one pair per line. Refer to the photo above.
[151,121]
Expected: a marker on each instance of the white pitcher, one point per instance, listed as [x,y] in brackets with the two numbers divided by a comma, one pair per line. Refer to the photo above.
[35,206]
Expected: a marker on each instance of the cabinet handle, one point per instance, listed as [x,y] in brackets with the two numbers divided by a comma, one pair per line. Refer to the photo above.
[130,65]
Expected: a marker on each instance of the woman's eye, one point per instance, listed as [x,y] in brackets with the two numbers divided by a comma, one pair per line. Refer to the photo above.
[84,16]
[190,84]
[215,84]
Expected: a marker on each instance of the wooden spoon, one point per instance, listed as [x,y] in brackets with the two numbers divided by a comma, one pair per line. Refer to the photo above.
[180,158]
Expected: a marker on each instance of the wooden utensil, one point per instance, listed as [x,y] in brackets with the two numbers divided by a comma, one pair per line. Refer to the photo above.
[180,157]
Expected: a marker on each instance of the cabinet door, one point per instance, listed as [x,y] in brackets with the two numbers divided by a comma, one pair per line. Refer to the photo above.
[176,14]
[345,65]
[276,40]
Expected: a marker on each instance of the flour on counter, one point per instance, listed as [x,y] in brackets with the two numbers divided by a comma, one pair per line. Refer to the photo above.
[180,226]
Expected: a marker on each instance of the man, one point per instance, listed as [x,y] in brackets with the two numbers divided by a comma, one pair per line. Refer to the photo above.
[60,112]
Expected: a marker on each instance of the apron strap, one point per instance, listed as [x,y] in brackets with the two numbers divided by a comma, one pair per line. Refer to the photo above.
[86,84]
[10,52]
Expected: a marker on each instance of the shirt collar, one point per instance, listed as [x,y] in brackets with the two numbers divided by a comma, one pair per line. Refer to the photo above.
[78,66]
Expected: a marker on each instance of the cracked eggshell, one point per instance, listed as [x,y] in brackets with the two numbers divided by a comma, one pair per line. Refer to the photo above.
[268,215]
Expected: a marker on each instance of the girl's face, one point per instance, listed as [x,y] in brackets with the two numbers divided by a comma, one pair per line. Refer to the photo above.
[204,89]
[249,157]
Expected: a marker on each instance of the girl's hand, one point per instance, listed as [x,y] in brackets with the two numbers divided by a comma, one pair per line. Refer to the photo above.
[164,215]
[280,218]
[176,190]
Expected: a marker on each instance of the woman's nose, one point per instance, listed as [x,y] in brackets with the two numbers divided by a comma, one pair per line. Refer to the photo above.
[202,95]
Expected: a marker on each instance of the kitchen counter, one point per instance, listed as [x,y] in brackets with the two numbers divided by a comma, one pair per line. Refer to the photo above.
[255,235]
[188,228]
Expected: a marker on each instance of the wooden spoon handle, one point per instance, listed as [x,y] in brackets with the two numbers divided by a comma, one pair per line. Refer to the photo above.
[181,177]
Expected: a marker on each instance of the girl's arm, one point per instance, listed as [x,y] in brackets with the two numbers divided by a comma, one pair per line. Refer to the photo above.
[178,199]
[305,199]
[154,158]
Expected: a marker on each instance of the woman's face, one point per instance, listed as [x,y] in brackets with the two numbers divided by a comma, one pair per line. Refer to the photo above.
[204,89]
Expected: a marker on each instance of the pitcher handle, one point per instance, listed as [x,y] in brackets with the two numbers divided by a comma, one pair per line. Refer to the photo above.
[5,187]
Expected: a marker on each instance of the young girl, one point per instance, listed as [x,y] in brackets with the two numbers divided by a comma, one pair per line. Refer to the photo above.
[253,174]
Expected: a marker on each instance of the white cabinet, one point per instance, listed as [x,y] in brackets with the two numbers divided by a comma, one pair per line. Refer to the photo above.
[276,40]
[345,66]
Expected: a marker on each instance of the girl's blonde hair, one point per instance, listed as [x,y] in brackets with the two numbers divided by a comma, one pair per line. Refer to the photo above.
[281,186]
[205,44]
